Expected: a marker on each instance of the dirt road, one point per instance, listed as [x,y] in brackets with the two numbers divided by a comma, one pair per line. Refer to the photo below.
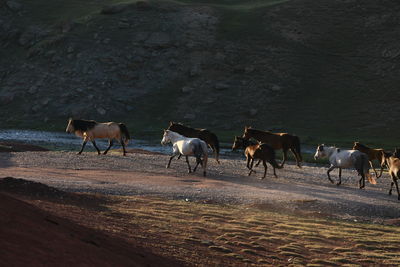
[306,189]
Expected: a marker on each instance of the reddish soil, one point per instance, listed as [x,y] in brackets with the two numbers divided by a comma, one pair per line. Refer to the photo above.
[33,237]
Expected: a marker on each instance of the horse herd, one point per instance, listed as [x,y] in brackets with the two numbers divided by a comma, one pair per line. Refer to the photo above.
[257,145]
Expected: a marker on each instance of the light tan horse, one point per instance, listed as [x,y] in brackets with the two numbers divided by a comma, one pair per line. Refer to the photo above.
[90,130]
[393,165]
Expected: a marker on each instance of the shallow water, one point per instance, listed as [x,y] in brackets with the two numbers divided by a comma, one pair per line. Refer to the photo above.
[65,141]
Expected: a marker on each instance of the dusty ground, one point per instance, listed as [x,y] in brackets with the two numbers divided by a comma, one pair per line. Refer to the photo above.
[132,206]
[145,174]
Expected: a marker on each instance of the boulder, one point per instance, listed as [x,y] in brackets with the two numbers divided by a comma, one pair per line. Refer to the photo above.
[114,9]
[14,5]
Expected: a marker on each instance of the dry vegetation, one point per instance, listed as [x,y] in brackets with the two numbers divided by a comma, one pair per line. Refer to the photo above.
[209,234]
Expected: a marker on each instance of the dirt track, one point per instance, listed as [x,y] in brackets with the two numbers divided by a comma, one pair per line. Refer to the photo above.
[305,189]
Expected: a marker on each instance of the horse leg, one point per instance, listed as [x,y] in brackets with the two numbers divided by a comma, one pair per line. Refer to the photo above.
[180,155]
[123,146]
[340,177]
[296,156]
[265,168]
[110,143]
[198,161]
[83,146]
[397,188]
[251,167]
[380,174]
[187,161]
[329,170]
[372,166]
[361,182]
[169,162]
[95,146]
[258,163]
[284,156]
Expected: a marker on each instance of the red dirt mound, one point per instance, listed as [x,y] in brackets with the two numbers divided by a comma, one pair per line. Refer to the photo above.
[33,237]
[19,147]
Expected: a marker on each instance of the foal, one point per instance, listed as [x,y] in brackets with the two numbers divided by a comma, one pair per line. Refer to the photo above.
[252,151]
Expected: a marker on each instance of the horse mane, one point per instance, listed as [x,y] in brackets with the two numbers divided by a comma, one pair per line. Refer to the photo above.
[259,131]
[361,145]
[83,125]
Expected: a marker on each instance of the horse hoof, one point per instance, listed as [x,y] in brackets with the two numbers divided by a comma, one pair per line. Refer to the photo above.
[105,153]
[79,153]
[338,184]
[204,174]
[167,167]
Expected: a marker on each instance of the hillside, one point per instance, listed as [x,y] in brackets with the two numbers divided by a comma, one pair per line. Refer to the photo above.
[326,70]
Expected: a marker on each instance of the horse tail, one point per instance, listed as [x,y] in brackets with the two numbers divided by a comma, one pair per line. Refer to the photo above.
[216,146]
[125,132]
[365,168]
[297,147]
[205,157]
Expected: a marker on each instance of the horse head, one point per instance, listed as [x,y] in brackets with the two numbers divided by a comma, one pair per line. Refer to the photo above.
[396,153]
[70,127]
[246,134]
[356,146]
[320,152]
[237,143]
[165,140]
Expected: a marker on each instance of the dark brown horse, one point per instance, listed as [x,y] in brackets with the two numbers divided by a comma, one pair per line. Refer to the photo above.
[262,152]
[210,138]
[373,154]
[282,141]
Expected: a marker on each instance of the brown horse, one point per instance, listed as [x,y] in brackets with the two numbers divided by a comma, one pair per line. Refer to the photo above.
[282,141]
[373,154]
[393,164]
[210,138]
[262,152]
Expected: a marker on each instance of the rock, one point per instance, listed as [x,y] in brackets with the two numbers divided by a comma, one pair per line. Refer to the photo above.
[123,25]
[195,70]
[101,111]
[253,112]
[249,69]
[158,39]
[33,89]
[189,116]
[187,89]
[221,86]
[6,98]
[14,5]
[45,101]
[140,36]
[113,9]
[36,108]
[276,88]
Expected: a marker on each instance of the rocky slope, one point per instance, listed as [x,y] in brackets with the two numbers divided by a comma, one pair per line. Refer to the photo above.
[305,66]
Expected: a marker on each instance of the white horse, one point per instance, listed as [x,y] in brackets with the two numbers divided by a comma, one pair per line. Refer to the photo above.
[182,145]
[339,158]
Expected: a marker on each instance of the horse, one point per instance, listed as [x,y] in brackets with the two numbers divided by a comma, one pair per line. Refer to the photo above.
[182,145]
[373,154]
[89,130]
[210,138]
[282,141]
[252,151]
[396,153]
[393,164]
[339,158]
